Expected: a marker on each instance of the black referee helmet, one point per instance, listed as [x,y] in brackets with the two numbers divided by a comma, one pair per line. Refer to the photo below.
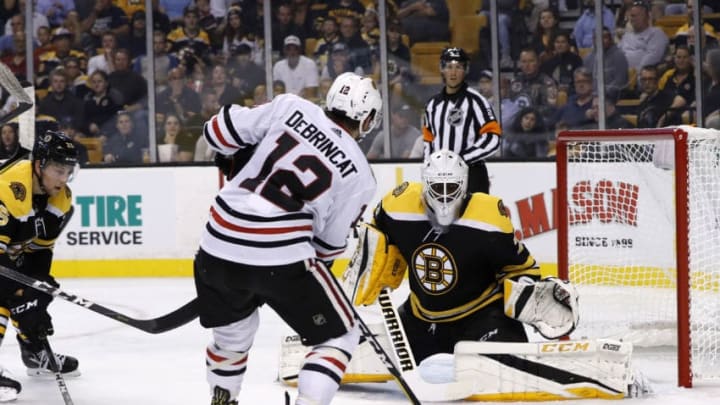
[454,54]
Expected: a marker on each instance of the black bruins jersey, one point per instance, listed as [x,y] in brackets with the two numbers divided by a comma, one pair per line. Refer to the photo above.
[456,273]
[29,223]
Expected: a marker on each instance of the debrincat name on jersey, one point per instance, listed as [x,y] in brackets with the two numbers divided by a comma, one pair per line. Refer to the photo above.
[321,142]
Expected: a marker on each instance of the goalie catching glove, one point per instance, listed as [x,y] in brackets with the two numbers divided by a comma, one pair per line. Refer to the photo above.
[549,305]
[375,264]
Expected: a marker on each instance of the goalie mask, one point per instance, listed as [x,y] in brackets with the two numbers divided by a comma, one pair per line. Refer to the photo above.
[444,177]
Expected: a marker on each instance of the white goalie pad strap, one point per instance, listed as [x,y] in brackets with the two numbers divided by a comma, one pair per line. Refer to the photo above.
[549,305]
[365,366]
[545,371]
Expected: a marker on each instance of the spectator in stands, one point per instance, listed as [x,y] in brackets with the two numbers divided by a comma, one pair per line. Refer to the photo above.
[278,87]
[9,141]
[681,35]
[163,61]
[56,11]
[711,99]
[359,49]
[338,9]
[245,74]
[615,64]
[369,28]
[125,145]
[72,24]
[7,42]
[178,99]
[189,42]
[77,79]
[175,134]
[323,89]
[135,41]
[685,7]
[60,103]
[330,36]
[284,26]
[103,17]
[400,75]
[103,59]
[259,95]
[680,82]
[613,119]
[220,84]
[653,101]
[485,85]
[100,105]
[527,137]
[573,112]
[297,71]
[548,26]
[15,58]
[505,9]
[585,24]
[130,7]
[646,44]
[131,85]
[210,24]
[309,15]
[235,34]
[425,20]
[38,20]
[403,135]
[7,10]
[43,42]
[61,40]
[563,63]
[531,85]
[339,63]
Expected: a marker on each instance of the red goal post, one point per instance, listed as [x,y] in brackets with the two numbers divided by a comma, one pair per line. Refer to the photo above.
[638,230]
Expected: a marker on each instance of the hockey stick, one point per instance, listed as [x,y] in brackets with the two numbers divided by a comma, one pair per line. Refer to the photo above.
[58,372]
[174,319]
[431,392]
[377,347]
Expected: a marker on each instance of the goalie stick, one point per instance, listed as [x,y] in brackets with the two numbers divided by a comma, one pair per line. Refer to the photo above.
[174,319]
[58,374]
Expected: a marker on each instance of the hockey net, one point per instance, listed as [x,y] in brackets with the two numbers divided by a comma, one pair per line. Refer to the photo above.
[639,235]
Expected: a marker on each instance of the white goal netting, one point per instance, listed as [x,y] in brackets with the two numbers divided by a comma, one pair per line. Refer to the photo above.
[623,247]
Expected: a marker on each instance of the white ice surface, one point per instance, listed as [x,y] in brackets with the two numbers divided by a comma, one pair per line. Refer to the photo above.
[122,365]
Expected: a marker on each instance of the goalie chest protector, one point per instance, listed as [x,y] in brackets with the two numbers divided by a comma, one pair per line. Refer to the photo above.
[456,273]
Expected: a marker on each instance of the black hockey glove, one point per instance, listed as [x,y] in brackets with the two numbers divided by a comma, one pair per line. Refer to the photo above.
[231,165]
[29,310]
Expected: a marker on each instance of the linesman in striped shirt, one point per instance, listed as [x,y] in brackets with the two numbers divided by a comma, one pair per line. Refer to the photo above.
[461,120]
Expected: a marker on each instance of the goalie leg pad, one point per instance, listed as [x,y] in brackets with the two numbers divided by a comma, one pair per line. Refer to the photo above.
[545,371]
[375,264]
[549,305]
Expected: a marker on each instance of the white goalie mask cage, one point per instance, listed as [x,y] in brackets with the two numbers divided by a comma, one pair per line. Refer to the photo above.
[444,177]
[358,98]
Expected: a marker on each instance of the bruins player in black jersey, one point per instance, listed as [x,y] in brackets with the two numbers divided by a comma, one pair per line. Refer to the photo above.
[35,206]
[462,259]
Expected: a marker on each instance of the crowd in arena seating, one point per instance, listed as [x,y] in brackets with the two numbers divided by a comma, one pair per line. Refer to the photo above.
[92,69]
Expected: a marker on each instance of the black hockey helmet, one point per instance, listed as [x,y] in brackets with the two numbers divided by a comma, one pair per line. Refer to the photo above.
[54,146]
[454,54]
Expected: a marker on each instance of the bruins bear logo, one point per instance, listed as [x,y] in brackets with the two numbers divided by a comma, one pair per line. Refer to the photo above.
[19,191]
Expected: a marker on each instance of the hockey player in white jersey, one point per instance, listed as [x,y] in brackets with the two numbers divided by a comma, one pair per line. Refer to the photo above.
[275,224]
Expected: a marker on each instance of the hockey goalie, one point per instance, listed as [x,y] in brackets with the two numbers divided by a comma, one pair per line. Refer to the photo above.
[473,289]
